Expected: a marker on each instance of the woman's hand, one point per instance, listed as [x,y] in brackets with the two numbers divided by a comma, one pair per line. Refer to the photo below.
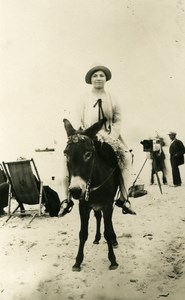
[102,135]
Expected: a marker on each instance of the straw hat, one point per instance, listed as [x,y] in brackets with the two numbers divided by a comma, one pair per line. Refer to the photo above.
[95,69]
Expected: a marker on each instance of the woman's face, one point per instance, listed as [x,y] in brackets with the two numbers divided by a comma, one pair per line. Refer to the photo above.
[98,79]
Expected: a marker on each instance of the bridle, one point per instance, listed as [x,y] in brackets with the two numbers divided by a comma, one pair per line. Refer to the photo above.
[75,139]
[90,189]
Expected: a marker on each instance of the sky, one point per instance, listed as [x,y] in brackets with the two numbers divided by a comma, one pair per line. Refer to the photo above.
[47,46]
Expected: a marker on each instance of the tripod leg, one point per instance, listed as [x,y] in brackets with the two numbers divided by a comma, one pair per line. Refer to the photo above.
[140,171]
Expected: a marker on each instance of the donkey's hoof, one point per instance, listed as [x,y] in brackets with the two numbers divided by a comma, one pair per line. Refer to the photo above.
[76,268]
[113,266]
[115,244]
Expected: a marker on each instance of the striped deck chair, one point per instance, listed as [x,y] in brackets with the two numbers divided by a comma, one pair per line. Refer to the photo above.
[26,186]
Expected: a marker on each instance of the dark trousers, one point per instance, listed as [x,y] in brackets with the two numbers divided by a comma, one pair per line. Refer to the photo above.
[175,171]
[158,165]
[52,204]
[164,179]
[53,201]
[3,195]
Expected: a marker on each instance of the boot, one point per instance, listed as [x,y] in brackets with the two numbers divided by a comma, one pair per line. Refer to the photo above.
[126,209]
[67,206]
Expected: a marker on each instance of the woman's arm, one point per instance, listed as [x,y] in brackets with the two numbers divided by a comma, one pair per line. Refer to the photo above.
[116,120]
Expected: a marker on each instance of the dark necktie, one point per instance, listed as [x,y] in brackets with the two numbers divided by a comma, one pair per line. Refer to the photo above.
[100,112]
[100,109]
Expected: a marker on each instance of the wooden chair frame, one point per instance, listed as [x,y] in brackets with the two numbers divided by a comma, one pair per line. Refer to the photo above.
[25,185]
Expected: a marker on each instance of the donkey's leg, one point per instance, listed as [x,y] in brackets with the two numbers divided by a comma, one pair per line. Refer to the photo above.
[107,214]
[113,234]
[83,235]
[98,216]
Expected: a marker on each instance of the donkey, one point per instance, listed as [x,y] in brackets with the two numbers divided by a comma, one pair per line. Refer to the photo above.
[93,182]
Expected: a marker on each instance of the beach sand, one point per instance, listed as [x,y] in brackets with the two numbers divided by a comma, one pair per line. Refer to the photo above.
[36,261]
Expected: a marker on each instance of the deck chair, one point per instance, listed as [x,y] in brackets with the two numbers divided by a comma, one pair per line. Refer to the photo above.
[26,186]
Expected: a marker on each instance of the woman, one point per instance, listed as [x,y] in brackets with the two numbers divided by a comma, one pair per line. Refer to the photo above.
[97,104]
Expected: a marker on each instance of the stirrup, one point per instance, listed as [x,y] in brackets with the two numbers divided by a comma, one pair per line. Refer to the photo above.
[68,208]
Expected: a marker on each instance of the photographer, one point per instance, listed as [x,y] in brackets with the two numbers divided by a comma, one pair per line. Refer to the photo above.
[154,148]
[158,160]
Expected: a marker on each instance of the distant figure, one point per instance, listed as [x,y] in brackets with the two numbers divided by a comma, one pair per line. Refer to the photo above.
[158,160]
[3,197]
[3,192]
[177,151]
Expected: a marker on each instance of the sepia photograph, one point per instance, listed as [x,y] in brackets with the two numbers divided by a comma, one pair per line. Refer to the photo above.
[92,175]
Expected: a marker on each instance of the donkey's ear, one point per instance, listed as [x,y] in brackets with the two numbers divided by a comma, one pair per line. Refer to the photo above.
[93,130]
[68,127]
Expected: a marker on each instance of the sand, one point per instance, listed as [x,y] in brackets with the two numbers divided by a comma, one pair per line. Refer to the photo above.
[36,261]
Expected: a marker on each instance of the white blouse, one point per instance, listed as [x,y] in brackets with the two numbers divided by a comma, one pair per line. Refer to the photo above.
[111,109]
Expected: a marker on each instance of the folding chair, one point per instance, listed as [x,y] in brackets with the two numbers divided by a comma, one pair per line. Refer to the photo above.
[25,184]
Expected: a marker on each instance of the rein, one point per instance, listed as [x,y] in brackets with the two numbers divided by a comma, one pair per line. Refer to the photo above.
[100,185]
[74,139]
[88,185]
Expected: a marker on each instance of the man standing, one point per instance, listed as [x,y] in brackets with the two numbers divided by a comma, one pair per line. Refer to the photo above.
[177,151]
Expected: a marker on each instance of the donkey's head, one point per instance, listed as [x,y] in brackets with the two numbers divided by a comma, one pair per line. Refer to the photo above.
[79,153]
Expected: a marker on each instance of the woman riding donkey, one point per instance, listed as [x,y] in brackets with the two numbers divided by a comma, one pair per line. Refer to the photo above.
[98,104]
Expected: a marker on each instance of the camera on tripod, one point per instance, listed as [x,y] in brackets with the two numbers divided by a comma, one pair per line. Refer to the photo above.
[154,147]
[151,145]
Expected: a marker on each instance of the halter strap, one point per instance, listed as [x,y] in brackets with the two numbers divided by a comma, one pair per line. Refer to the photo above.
[88,184]
[100,185]
[89,189]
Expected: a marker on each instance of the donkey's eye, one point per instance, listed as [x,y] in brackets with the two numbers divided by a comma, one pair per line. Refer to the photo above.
[87,156]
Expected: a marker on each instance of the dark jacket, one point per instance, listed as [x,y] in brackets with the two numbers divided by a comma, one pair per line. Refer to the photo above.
[177,151]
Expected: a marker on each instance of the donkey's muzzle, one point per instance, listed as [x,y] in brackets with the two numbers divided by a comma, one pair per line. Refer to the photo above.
[76,193]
